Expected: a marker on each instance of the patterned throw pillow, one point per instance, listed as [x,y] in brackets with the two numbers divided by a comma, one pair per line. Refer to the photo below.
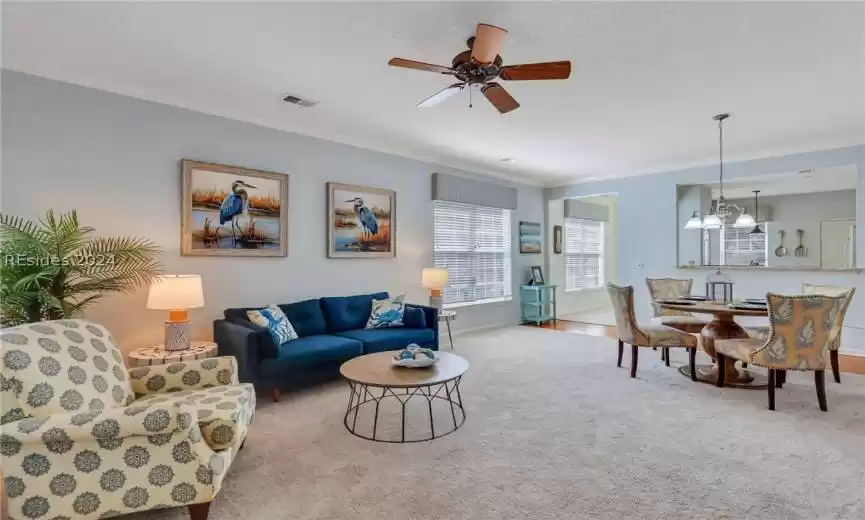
[386,313]
[276,323]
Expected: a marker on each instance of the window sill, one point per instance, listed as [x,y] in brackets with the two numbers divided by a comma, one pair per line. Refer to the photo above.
[478,302]
[583,289]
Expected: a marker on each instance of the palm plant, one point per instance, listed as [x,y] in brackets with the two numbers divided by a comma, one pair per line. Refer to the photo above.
[53,269]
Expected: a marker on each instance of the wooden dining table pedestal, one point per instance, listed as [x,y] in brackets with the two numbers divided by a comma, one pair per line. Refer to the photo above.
[722,326]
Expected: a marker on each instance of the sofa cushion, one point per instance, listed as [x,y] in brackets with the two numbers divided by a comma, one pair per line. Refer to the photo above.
[318,349]
[306,317]
[378,340]
[348,312]
[413,318]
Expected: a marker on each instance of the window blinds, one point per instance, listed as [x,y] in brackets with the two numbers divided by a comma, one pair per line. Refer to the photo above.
[474,244]
[740,247]
[584,254]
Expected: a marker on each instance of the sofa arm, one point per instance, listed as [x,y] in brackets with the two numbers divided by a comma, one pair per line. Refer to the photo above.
[431,317]
[62,429]
[240,342]
[184,375]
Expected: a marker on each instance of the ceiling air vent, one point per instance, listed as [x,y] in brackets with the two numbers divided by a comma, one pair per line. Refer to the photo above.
[299,101]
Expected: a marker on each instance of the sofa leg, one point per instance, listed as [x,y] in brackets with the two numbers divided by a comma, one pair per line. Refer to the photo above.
[199,511]
[276,394]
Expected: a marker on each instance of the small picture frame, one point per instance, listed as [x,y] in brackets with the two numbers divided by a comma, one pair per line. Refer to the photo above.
[557,240]
[537,275]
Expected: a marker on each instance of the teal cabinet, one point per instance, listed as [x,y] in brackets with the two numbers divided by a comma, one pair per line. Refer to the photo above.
[538,303]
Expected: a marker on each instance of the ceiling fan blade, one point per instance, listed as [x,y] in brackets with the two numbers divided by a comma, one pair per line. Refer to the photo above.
[530,71]
[419,65]
[488,43]
[499,97]
[441,95]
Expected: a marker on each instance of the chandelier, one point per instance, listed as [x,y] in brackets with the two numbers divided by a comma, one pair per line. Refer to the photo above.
[721,209]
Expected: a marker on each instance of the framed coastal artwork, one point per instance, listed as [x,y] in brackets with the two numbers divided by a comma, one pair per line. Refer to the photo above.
[361,222]
[530,237]
[232,211]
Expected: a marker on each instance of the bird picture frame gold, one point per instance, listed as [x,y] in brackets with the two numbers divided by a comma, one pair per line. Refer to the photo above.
[233,211]
[361,221]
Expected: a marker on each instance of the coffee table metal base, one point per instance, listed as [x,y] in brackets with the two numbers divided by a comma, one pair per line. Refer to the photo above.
[371,397]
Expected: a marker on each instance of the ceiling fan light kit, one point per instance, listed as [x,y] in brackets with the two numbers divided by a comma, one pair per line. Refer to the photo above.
[481,65]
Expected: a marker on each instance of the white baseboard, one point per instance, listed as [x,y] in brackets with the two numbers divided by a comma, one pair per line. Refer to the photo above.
[481,328]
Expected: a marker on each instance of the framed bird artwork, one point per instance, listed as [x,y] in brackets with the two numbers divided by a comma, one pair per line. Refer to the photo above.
[232,211]
[361,222]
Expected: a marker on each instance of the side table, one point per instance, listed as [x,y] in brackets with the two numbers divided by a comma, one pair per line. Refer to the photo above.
[157,355]
[448,317]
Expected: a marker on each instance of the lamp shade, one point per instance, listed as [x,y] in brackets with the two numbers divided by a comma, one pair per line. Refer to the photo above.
[712,221]
[176,291]
[694,222]
[434,278]
[744,221]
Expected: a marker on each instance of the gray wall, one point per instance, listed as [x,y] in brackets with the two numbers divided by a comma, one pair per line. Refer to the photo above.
[647,241]
[117,161]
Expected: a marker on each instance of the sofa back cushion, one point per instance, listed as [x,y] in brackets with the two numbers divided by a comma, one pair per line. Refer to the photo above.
[348,312]
[306,317]
[60,367]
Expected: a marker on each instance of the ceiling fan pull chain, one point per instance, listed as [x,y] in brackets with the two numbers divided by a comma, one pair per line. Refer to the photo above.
[470,95]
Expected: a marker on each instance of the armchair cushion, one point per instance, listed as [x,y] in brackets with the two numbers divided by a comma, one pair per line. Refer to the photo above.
[224,413]
[62,366]
[59,431]
[185,375]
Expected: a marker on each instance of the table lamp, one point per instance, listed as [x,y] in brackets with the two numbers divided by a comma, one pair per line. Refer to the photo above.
[175,293]
[435,279]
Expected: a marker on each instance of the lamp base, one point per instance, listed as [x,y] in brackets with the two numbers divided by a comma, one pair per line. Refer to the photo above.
[176,335]
[435,299]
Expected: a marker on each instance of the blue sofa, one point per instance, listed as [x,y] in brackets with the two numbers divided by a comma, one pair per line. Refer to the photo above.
[331,331]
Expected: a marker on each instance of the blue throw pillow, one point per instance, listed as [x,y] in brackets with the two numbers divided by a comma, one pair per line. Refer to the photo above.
[275,321]
[386,313]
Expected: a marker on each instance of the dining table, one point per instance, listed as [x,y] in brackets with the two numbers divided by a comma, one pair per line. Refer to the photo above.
[722,326]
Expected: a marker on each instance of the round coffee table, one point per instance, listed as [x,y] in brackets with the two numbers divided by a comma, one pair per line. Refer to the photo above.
[373,378]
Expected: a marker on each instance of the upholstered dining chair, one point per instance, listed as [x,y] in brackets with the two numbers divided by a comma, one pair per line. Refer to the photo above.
[81,437]
[801,329]
[636,335]
[829,290]
[669,289]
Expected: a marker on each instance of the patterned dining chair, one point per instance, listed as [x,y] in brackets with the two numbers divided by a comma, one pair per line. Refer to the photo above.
[801,329]
[636,335]
[828,290]
[670,289]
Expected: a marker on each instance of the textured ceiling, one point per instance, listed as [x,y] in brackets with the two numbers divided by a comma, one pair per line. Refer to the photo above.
[647,77]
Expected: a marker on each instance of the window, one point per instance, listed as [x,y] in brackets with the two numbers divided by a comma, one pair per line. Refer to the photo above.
[740,247]
[474,244]
[584,254]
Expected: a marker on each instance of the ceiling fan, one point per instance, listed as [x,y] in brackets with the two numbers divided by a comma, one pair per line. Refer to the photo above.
[481,65]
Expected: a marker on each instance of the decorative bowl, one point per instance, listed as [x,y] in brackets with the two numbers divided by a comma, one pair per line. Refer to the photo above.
[414,356]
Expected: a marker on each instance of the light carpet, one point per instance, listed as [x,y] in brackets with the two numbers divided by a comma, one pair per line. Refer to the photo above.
[556,431]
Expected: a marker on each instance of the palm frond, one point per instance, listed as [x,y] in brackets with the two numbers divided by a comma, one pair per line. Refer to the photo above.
[72,270]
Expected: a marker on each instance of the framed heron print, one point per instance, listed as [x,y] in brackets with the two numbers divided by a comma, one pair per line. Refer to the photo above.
[232,211]
[361,222]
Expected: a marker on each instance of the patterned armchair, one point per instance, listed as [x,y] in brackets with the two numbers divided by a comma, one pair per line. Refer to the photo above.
[83,438]
[672,288]
[762,333]
[800,332]
[628,331]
